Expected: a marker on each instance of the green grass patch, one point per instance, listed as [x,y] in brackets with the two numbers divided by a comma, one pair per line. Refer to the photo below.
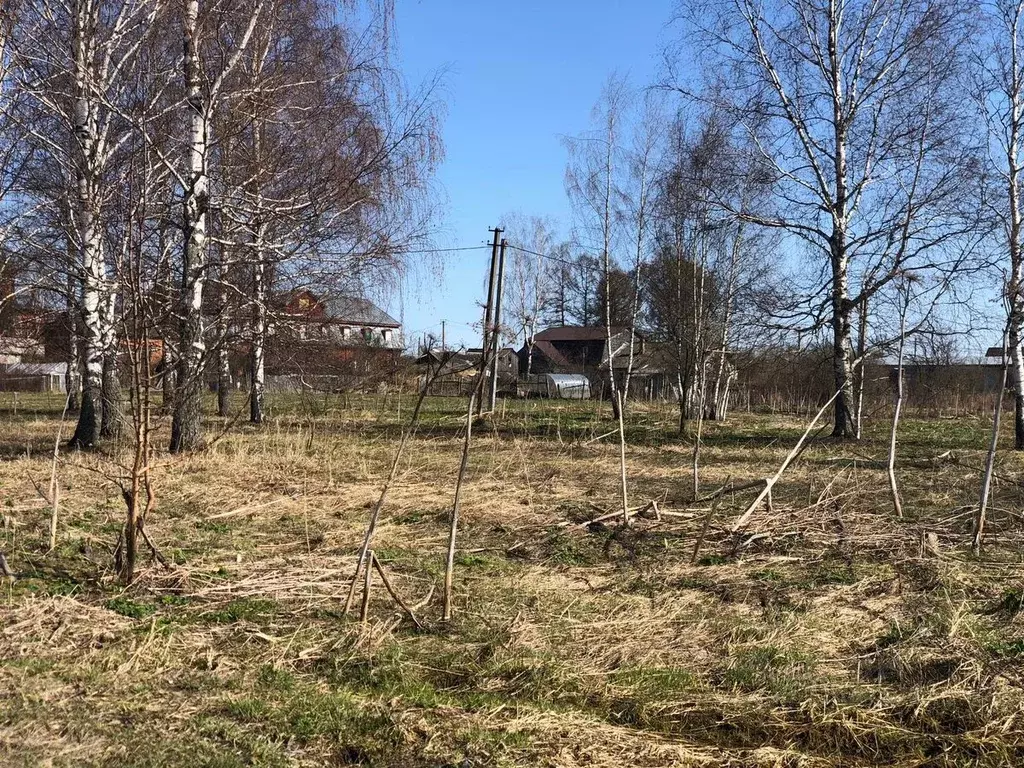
[768,668]
[713,560]
[252,609]
[656,682]
[1006,649]
[133,609]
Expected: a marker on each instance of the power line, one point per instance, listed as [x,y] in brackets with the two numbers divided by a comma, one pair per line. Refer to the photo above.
[457,249]
[448,250]
[547,256]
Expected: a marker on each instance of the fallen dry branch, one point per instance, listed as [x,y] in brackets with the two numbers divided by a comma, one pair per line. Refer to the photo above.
[707,522]
[769,482]
[727,488]
[618,513]
[248,509]
[599,437]
[364,609]
[158,556]
[5,569]
[394,595]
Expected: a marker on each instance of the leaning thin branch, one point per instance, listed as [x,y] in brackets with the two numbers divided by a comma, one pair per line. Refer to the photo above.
[449,568]
[54,484]
[769,482]
[990,461]
[391,591]
[375,515]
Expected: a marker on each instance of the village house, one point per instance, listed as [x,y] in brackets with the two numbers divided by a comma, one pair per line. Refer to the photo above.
[336,342]
[347,321]
[585,350]
[29,359]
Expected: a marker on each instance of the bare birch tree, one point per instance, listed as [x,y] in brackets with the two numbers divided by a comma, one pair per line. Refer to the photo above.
[685,302]
[75,64]
[532,278]
[903,289]
[591,180]
[332,155]
[637,208]
[13,158]
[1001,97]
[206,76]
[855,109]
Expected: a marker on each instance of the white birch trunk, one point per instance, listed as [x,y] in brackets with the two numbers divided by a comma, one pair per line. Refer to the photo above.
[861,367]
[681,393]
[113,417]
[980,517]
[720,397]
[841,308]
[606,242]
[186,426]
[641,234]
[699,356]
[73,376]
[1015,283]
[223,358]
[257,372]
[87,432]
[897,504]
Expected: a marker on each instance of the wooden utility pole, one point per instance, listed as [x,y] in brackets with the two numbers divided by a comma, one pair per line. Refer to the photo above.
[488,309]
[496,332]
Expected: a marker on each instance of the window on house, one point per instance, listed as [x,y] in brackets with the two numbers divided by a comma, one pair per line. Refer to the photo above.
[387,335]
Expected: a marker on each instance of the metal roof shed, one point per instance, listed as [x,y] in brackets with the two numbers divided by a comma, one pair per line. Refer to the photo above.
[561,386]
[33,377]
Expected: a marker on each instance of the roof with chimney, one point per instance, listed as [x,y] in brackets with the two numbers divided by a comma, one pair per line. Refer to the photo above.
[342,310]
[352,310]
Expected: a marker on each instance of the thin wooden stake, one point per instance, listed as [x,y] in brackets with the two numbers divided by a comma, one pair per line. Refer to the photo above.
[54,483]
[449,568]
[364,609]
[707,523]
[990,461]
[620,400]
[371,526]
[890,466]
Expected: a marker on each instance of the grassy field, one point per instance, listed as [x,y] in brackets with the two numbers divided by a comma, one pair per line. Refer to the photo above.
[824,636]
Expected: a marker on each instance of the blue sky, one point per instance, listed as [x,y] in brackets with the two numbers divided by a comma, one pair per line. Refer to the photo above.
[517,77]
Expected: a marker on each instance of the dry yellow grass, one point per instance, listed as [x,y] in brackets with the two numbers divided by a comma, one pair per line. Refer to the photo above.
[821,637]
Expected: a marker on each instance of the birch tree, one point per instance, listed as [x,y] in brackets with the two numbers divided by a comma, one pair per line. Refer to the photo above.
[531,280]
[1001,61]
[684,295]
[577,297]
[591,183]
[13,155]
[75,62]
[206,71]
[854,107]
[331,155]
[636,210]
